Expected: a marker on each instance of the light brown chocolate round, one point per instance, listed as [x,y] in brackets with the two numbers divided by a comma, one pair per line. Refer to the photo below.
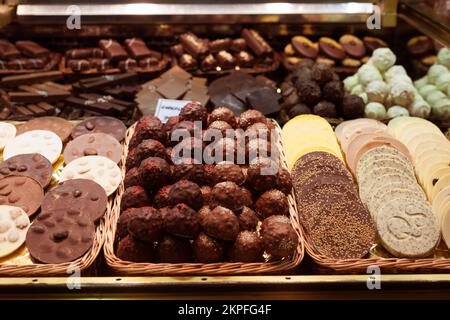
[31,165]
[23,192]
[93,144]
[108,125]
[58,125]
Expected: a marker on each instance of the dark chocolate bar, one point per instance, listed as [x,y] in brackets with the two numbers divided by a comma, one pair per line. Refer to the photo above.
[137,48]
[225,60]
[30,78]
[8,50]
[99,63]
[193,45]
[220,44]
[107,81]
[113,50]
[79,65]
[32,49]
[255,42]
[148,62]
[83,53]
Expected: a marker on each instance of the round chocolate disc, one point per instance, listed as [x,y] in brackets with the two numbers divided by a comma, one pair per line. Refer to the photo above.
[58,125]
[108,125]
[31,165]
[23,192]
[77,196]
[60,236]
[93,144]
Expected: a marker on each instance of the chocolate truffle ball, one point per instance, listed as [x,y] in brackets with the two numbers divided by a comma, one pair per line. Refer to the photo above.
[299,109]
[187,192]
[221,223]
[228,172]
[207,195]
[223,150]
[302,74]
[130,249]
[186,149]
[257,148]
[208,250]
[333,91]
[248,219]
[310,93]
[260,179]
[134,197]
[321,73]
[258,130]
[189,171]
[182,221]
[181,130]
[246,248]
[162,197]
[173,249]
[154,173]
[150,148]
[247,197]
[221,126]
[208,170]
[284,181]
[132,178]
[272,202]
[223,114]
[325,109]
[249,117]
[194,111]
[203,212]
[132,159]
[148,127]
[146,224]
[170,123]
[352,107]
[122,222]
[229,195]
[278,237]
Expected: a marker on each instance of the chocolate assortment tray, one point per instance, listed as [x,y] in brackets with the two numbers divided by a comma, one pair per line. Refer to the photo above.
[65,230]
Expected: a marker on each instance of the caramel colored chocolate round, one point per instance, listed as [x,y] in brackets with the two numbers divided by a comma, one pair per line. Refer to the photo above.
[77,196]
[108,125]
[31,165]
[58,125]
[58,237]
[331,48]
[23,192]
[93,144]
[353,46]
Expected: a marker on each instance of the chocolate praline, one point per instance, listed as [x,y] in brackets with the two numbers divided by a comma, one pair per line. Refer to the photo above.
[148,127]
[325,109]
[187,192]
[246,248]
[279,238]
[161,198]
[229,195]
[221,223]
[132,159]
[173,249]
[352,107]
[247,197]
[181,129]
[154,173]
[258,130]
[299,109]
[228,172]
[248,219]
[130,249]
[208,250]
[207,195]
[272,202]
[223,114]
[221,126]
[258,179]
[309,92]
[284,181]
[170,123]
[333,91]
[187,149]
[132,178]
[150,148]
[194,111]
[182,221]
[321,73]
[122,222]
[249,117]
[134,197]
[146,224]
[193,171]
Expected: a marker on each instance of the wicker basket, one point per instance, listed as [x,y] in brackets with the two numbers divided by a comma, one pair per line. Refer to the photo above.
[196,269]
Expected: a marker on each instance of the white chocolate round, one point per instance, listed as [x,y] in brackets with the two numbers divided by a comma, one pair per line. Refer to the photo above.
[375,110]
[443,81]
[402,93]
[435,71]
[397,111]
[377,91]
[7,133]
[368,73]
[97,168]
[443,57]
[435,96]
[419,83]
[14,224]
[427,89]
[383,58]
[394,71]
[44,142]
[350,82]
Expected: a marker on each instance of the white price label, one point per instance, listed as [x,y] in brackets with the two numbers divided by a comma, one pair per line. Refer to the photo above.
[168,108]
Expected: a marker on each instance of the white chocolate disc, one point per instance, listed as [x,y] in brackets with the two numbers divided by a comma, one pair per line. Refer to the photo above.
[14,224]
[97,168]
[7,133]
[44,142]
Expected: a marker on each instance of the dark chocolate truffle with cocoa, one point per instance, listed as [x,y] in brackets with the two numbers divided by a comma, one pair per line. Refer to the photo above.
[228,172]
[187,192]
[134,197]
[122,222]
[194,111]
[223,114]
[247,197]
[221,223]
[192,171]
[258,148]
[246,248]
[221,126]
[146,224]
[203,212]
[132,178]
[181,130]
[170,123]
[132,159]
[248,219]
[333,91]
[182,221]
[150,148]
[249,117]
[130,249]
[223,150]
[352,107]
[162,197]
[299,109]
[208,249]
[173,249]
[188,148]
[284,181]
[258,130]
[260,176]
[310,93]
[279,238]
[148,127]
[207,195]
[325,109]
[321,73]
[272,202]
[229,195]
[154,173]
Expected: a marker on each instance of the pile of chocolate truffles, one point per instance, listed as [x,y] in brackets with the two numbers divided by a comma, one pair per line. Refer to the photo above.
[196,212]
[316,88]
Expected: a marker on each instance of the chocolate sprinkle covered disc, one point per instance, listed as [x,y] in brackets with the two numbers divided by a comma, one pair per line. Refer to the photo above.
[31,165]
[108,125]
[60,236]
[77,196]
[58,125]
[23,192]
[93,144]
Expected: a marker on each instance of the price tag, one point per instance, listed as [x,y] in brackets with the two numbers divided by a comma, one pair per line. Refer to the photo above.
[168,108]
